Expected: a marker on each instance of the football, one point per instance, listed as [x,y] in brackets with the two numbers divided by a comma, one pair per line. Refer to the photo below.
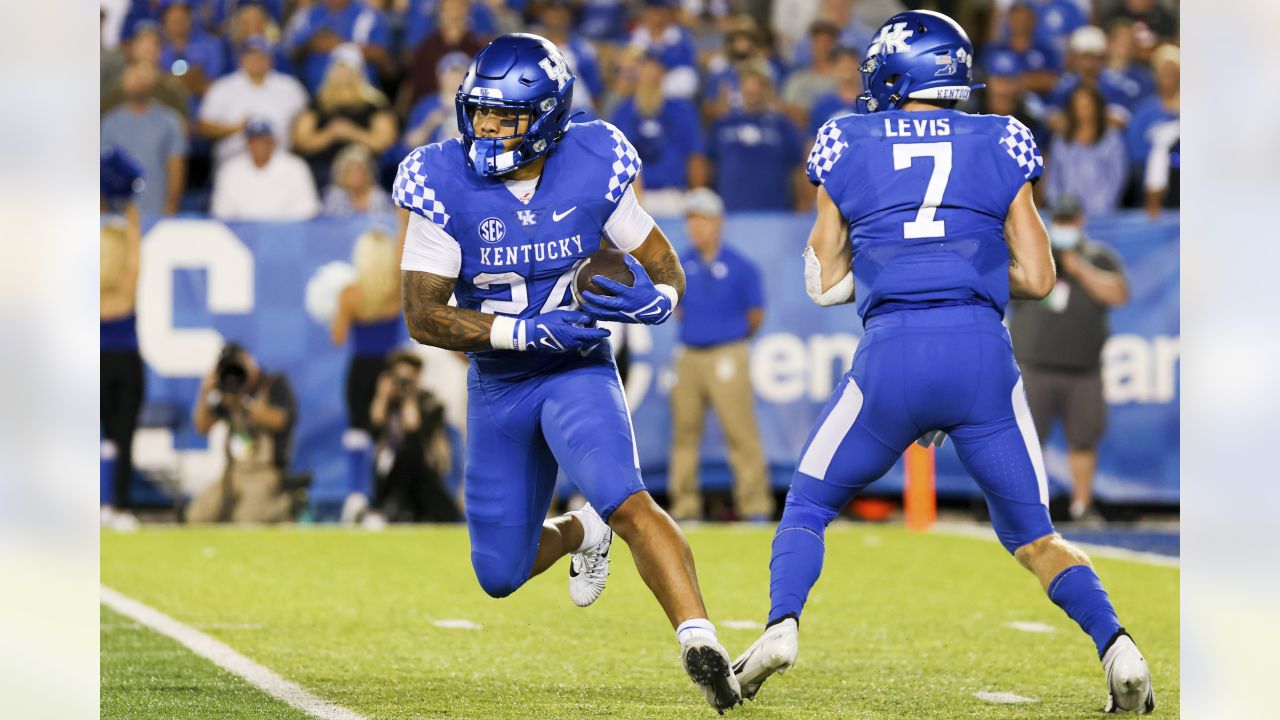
[607,262]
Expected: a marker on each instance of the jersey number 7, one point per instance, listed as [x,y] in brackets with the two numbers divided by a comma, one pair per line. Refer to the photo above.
[924,226]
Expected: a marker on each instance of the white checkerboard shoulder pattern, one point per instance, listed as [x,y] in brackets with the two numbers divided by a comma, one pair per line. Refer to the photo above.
[410,190]
[1021,146]
[827,149]
[626,165]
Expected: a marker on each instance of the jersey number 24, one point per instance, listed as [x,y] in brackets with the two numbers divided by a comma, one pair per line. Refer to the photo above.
[904,154]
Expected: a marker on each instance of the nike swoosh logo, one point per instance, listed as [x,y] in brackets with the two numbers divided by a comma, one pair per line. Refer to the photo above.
[573,570]
[557,217]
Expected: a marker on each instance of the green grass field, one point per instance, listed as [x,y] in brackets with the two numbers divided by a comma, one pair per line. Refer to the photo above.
[900,625]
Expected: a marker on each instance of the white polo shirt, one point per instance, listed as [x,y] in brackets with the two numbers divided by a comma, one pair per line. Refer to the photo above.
[281,190]
[235,97]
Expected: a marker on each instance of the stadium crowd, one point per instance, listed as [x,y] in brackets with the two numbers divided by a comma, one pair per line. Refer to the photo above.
[720,93]
[282,110]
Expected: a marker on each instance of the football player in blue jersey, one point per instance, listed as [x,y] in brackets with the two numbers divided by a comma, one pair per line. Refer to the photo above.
[500,220]
[926,221]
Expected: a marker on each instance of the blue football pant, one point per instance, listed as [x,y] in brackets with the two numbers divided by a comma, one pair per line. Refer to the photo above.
[948,369]
[518,435]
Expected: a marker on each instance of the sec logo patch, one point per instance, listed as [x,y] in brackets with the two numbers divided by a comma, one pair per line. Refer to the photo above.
[491,230]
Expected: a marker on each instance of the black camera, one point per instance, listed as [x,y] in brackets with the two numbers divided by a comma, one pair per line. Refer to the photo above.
[231,371]
[405,386]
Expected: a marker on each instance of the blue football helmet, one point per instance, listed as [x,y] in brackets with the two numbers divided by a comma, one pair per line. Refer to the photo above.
[518,72]
[918,54]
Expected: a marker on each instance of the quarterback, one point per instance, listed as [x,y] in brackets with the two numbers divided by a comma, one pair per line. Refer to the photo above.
[499,220]
[926,221]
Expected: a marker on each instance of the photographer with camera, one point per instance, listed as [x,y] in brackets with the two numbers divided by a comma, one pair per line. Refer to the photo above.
[1058,342]
[259,409]
[413,452]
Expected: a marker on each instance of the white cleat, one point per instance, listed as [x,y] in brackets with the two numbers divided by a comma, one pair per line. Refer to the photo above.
[588,570]
[774,652]
[707,663]
[1128,678]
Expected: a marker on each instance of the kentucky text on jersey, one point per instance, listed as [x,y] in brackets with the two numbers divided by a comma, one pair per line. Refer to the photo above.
[532,252]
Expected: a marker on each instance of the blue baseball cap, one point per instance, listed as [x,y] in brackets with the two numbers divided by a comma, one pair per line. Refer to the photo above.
[1002,63]
[257,127]
[256,43]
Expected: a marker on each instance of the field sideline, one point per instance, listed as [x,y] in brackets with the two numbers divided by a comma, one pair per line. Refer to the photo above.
[900,625]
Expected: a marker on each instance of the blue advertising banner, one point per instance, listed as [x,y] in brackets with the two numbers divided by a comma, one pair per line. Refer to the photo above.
[204,281]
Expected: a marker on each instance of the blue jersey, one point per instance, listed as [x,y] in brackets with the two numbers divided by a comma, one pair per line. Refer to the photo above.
[518,259]
[925,195]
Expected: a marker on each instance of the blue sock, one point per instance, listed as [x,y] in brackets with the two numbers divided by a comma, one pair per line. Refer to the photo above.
[358,447]
[107,473]
[798,548]
[1079,592]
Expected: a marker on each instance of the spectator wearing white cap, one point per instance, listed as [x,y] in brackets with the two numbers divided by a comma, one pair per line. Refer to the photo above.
[345,110]
[723,306]
[1086,63]
[256,91]
[265,183]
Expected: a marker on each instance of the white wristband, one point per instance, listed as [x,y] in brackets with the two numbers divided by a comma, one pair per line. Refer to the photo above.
[670,292]
[504,331]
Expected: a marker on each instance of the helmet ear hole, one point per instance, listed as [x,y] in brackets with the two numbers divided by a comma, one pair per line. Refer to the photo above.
[891,80]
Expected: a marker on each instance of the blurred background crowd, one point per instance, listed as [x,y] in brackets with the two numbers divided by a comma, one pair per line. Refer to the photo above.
[285,120]
[219,99]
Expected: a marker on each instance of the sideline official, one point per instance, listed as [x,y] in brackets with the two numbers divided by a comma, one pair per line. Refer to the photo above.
[722,307]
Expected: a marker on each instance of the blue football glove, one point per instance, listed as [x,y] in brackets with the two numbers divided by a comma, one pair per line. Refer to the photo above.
[121,175]
[555,331]
[642,302]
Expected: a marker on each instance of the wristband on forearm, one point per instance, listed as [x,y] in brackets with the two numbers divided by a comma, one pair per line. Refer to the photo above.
[507,333]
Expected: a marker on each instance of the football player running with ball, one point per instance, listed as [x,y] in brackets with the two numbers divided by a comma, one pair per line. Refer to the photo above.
[499,219]
[926,221]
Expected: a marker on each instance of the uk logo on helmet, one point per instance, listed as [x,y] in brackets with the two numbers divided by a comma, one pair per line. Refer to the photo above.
[892,39]
[492,230]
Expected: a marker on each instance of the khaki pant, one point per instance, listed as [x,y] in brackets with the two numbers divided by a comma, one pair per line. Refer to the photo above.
[256,497]
[718,376]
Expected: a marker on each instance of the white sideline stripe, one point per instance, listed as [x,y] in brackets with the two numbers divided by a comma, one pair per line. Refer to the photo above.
[1030,626]
[742,624]
[224,657]
[1003,698]
[1106,551]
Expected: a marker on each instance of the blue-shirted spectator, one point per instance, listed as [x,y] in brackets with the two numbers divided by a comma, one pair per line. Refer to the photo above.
[667,134]
[658,32]
[844,99]
[1156,110]
[433,119]
[1133,77]
[722,307]
[212,15]
[152,134]
[1057,19]
[1006,93]
[1087,62]
[743,45]
[604,20]
[1041,63]
[555,23]
[421,19]
[1088,158]
[757,151]
[315,31]
[191,54]
[254,19]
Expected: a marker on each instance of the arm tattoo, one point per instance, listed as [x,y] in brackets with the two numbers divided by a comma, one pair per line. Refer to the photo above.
[660,261]
[432,321]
